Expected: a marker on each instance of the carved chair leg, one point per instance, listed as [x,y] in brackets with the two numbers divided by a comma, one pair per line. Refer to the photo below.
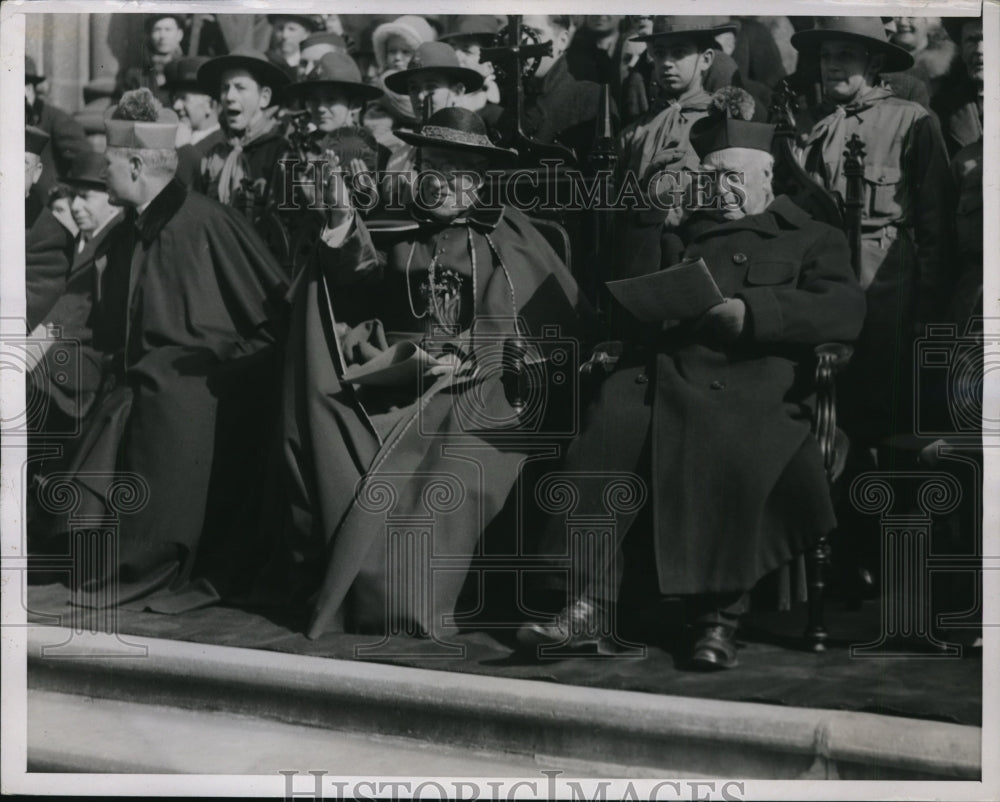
[817,565]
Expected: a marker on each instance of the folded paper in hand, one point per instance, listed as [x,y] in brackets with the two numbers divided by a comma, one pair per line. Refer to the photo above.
[399,365]
[679,292]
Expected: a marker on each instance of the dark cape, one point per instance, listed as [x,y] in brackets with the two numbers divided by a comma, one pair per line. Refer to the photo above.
[448,455]
[48,256]
[184,317]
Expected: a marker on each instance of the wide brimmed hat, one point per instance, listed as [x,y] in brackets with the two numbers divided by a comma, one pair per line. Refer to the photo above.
[415,30]
[182,74]
[328,38]
[311,22]
[31,75]
[436,58]
[254,62]
[697,27]
[35,140]
[334,71]
[868,30]
[456,129]
[85,171]
[479,26]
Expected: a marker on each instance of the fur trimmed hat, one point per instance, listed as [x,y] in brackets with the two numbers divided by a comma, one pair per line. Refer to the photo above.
[413,29]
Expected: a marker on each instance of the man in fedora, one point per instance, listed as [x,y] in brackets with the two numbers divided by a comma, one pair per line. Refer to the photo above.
[434,80]
[239,171]
[199,130]
[317,46]
[73,393]
[66,136]
[709,412]
[469,35]
[454,281]
[905,269]
[183,317]
[290,31]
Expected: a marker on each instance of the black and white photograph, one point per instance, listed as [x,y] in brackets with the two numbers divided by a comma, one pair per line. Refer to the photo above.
[404,405]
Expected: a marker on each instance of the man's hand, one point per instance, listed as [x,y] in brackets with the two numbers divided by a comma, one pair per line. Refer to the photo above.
[723,323]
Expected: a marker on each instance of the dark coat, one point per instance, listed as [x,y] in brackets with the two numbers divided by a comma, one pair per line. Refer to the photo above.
[738,486]
[332,440]
[261,157]
[189,158]
[48,256]
[184,313]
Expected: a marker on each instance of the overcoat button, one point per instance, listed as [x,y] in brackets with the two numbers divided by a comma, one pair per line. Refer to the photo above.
[642,378]
[739,258]
[717,385]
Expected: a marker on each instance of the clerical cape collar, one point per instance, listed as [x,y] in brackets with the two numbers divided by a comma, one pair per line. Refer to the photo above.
[765,223]
[481,218]
[163,207]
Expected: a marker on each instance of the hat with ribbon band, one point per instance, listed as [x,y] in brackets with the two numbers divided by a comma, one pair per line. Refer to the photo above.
[456,129]
[869,31]
[85,171]
[700,28]
[264,72]
[334,71]
[434,58]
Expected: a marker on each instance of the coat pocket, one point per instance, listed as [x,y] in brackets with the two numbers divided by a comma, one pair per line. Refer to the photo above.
[762,272]
[883,189]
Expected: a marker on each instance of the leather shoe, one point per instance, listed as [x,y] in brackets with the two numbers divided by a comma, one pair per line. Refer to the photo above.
[715,648]
[575,626]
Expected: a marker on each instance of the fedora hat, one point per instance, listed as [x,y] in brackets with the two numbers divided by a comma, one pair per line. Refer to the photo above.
[326,38]
[436,58]
[31,75]
[182,74]
[483,27]
[870,31]
[85,171]
[35,140]
[696,27]
[456,129]
[334,70]
[257,64]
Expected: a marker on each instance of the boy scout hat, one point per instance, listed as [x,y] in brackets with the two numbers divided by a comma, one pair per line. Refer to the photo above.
[334,71]
[868,30]
[695,27]
[482,27]
[437,58]
[158,135]
[35,140]
[455,128]
[242,58]
[85,171]
[182,74]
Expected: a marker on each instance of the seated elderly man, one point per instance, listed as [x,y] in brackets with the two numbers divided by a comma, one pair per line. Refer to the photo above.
[393,375]
[710,410]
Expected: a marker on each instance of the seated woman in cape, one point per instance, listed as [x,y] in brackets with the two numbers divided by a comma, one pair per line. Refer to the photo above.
[403,397]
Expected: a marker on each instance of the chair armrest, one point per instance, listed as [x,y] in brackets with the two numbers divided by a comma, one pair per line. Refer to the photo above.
[831,358]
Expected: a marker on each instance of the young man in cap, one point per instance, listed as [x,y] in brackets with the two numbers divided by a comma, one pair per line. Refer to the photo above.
[183,315]
[434,80]
[317,46]
[709,405]
[199,130]
[469,35]
[48,243]
[456,280]
[240,171]
[164,34]
[904,268]
[290,31]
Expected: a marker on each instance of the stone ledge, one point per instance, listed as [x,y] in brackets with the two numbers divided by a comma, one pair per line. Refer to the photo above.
[714,738]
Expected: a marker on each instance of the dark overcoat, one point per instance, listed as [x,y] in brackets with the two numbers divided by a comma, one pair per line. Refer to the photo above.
[738,486]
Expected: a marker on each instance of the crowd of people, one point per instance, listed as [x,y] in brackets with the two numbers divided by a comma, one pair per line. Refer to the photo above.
[276,315]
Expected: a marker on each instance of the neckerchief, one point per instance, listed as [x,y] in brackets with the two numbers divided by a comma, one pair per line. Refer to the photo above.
[235,167]
[831,130]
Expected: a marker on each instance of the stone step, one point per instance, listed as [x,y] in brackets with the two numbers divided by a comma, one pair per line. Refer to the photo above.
[591,732]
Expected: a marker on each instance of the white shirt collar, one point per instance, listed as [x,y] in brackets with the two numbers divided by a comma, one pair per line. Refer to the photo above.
[197,136]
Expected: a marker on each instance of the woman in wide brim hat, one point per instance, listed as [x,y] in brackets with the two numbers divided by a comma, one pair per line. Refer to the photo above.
[434,58]
[869,31]
[457,129]
[334,72]
[257,64]
[698,27]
